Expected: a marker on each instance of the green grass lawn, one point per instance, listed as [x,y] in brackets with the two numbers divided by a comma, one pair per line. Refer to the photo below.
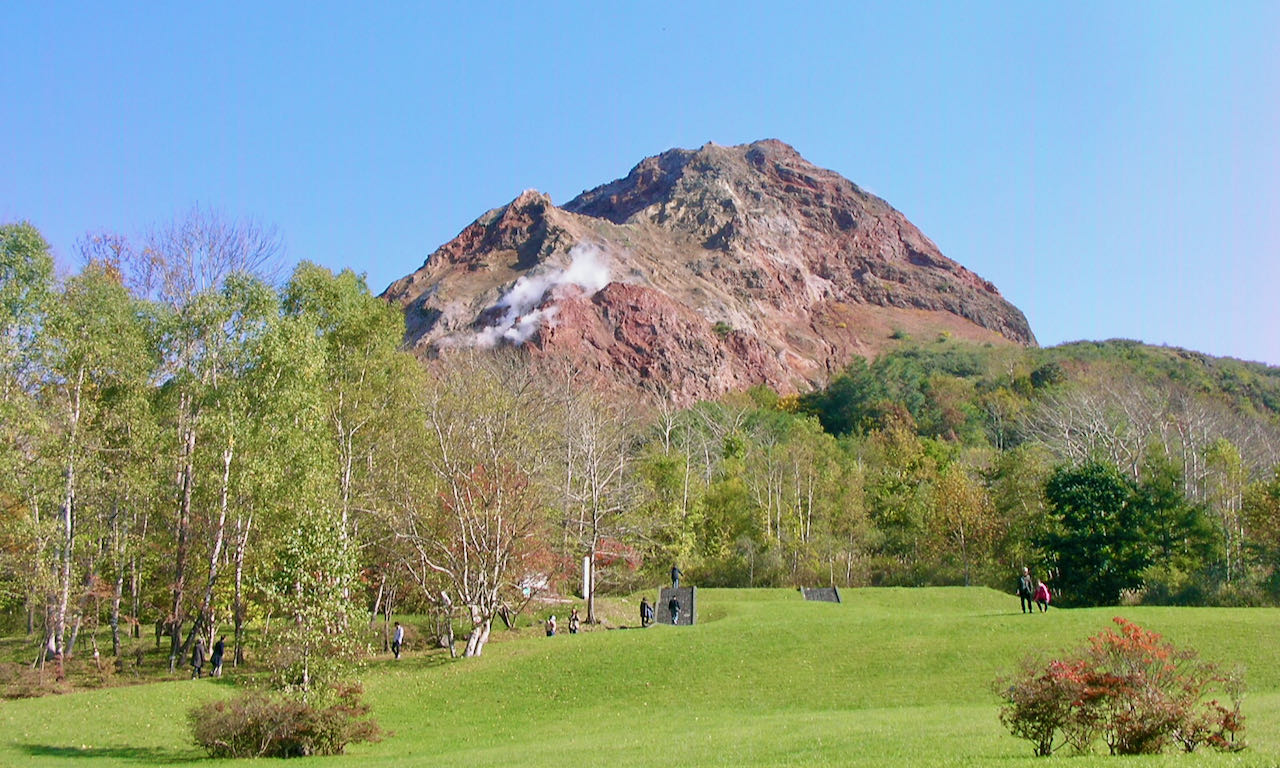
[889,677]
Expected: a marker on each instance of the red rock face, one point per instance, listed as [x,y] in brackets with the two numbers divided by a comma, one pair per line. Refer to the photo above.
[641,337]
[727,267]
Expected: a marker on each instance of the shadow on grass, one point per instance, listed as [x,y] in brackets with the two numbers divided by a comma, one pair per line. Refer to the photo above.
[146,755]
[433,658]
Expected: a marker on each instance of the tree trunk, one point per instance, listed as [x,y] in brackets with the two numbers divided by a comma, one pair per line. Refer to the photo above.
[240,610]
[68,515]
[135,584]
[203,619]
[135,599]
[68,651]
[446,610]
[347,443]
[117,594]
[591,585]
[186,479]
[377,602]
[67,519]
[37,566]
[50,641]
[480,627]
[387,609]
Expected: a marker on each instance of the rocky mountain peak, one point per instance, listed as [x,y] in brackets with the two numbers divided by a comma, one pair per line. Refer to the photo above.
[699,272]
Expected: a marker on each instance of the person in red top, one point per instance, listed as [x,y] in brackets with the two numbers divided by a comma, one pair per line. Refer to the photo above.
[1042,596]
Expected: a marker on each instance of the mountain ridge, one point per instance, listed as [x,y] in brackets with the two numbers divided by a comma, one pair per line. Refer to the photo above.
[700,272]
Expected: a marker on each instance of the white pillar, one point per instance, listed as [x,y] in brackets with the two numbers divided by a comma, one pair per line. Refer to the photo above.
[586,576]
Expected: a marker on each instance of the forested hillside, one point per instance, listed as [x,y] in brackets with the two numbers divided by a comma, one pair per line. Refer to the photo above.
[1186,446]
[189,445]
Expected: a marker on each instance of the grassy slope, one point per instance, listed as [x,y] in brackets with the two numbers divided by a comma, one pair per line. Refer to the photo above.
[891,677]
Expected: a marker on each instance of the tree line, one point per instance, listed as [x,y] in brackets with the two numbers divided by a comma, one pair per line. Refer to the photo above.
[192,443]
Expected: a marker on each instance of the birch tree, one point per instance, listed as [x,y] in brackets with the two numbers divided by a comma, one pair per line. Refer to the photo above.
[485,526]
[368,384]
[1225,482]
[98,354]
[183,268]
[26,290]
[599,489]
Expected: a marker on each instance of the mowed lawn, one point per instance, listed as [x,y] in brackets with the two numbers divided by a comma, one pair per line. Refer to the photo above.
[889,677]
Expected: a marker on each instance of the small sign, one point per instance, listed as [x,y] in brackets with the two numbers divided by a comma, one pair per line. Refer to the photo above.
[822,594]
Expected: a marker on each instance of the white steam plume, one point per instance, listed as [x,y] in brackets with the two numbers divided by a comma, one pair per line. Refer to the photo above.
[522,313]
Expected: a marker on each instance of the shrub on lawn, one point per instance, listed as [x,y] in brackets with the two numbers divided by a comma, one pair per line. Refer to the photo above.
[1128,687]
[257,724]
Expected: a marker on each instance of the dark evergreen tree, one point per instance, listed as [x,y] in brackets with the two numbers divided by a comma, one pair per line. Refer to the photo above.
[1097,541]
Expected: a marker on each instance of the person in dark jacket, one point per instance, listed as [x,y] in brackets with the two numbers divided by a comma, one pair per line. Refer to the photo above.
[673,605]
[197,659]
[646,612]
[215,659]
[1026,591]
[675,576]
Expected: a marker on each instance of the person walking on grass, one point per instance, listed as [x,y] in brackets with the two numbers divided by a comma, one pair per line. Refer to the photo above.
[574,621]
[1026,591]
[1042,596]
[397,640]
[646,612]
[551,627]
[197,659]
[215,659]
[673,605]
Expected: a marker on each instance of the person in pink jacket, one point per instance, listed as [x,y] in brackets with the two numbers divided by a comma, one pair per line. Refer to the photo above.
[1042,596]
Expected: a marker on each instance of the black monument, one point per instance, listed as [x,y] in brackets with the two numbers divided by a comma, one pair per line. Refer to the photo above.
[688,597]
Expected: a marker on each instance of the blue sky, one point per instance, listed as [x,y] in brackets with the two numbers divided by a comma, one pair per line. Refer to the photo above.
[1112,167]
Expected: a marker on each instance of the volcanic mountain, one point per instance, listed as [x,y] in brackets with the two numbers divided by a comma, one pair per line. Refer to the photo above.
[701,272]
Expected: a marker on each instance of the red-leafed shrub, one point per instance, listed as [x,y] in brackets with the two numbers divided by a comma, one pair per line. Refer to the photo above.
[1039,704]
[1128,687]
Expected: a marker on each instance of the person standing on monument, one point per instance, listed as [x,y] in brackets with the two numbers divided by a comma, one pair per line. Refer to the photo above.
[1026,591]
[675,576]
[673,605]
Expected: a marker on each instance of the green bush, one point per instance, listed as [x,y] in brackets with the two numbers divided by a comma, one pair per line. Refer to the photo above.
[256,724]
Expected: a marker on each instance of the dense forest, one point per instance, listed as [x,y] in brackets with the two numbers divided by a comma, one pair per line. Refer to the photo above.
[192,443]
